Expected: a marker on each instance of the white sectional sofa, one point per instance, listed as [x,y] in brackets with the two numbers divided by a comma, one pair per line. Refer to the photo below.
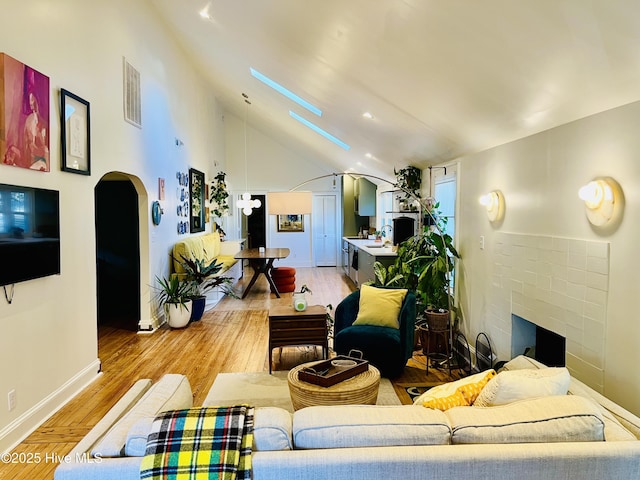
[581,436]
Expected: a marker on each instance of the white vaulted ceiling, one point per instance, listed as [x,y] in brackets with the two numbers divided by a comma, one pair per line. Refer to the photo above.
[443,78]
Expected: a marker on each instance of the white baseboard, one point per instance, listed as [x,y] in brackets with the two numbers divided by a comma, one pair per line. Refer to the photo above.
[25,424]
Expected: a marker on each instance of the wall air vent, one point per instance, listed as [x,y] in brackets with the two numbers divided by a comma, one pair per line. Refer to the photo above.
[132,95]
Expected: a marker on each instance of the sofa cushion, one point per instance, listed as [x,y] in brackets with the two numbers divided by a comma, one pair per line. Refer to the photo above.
[510,386]
[564,418]
[368,426]
[272,429]
[227,261]
[210,245]
[380,306]
[455,394]
[203,247]
[522,362]
[171,392]
[135,444]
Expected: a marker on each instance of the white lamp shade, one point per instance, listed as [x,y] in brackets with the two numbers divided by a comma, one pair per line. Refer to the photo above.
[289,203]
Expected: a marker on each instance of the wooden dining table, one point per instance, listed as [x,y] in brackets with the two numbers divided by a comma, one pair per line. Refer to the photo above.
[261,260]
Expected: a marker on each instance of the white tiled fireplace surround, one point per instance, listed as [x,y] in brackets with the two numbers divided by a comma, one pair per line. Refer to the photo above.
[559,284]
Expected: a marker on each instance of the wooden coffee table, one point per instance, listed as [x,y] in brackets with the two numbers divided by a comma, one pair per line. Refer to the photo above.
[361,389]
[290,327]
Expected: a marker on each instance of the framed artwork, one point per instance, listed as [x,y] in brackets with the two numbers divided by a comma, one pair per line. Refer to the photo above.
[196,194]
[161,189]
[75,130]
[24,115]
[291,223]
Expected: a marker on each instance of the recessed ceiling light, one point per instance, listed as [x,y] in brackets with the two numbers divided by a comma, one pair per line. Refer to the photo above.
[368,115]
[319,130]
[286,92]
[368,155]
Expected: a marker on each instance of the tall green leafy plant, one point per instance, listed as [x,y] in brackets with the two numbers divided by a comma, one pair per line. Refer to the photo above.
[424,264]
[202,276]
[173,290]
[409,180]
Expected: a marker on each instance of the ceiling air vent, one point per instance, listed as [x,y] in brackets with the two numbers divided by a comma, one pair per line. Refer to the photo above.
[132,100]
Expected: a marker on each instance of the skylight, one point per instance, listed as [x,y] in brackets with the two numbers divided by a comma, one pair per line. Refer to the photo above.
[317,129]
[286,92]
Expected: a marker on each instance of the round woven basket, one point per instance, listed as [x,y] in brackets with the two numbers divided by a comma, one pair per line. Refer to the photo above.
[361,389]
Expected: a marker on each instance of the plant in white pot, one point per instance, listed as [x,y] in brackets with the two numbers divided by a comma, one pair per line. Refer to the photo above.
[202,278]
[173,295]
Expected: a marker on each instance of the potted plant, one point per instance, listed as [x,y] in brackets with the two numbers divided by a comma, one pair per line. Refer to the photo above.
[201,278]
[424,265]
[300,300]
[219,195]
[173,295]
[410,181]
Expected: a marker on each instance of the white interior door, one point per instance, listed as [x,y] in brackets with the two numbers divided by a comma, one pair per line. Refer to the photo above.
[325,227]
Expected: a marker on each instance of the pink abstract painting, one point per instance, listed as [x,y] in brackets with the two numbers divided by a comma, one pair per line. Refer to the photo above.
[24,115]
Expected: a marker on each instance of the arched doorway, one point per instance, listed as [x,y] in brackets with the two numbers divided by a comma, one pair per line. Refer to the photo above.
[117,252]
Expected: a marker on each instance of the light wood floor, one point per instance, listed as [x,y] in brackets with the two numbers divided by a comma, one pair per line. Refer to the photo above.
[232,337]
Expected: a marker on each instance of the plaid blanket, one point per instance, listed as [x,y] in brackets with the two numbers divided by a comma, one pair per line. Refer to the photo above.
[200,443]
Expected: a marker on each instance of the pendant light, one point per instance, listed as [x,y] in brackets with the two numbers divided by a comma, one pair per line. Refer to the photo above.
[247,204]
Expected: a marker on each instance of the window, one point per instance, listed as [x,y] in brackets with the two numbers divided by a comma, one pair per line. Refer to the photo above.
[15,212]
[445,194]
[385,212]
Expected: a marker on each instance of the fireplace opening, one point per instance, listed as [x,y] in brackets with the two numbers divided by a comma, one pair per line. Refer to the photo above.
[537,342]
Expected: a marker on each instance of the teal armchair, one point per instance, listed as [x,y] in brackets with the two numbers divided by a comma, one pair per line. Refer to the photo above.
[386,348]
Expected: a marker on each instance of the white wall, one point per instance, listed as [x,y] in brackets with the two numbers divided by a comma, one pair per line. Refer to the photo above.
[271,166]
[48,335]
[539,177]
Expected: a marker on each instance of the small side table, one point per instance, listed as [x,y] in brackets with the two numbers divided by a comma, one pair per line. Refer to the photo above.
[361,389]
[290,327]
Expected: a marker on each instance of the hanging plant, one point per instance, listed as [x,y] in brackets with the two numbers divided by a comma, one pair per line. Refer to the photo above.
[219,195]
[409,180]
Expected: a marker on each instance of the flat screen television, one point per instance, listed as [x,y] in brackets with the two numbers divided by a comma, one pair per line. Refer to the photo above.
[29,233]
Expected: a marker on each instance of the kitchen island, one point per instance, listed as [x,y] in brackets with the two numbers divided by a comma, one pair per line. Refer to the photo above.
[367,252]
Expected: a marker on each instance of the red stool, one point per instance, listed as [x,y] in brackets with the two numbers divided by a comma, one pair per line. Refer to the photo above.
[284,279]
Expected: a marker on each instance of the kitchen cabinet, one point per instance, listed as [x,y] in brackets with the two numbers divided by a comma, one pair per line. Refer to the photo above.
[366,273]
[365,197]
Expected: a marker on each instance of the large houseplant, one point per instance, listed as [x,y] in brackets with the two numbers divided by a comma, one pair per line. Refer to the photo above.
[409,180]
[201,277]
[174,296]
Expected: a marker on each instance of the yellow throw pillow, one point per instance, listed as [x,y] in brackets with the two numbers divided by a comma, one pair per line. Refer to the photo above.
[460,393]
[472,390]
[456,399]
[380,306]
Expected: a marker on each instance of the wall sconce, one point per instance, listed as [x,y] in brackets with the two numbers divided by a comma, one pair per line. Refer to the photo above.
[602,200]
[494,203]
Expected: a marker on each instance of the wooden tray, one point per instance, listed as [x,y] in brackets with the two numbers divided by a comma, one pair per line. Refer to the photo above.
[325,374]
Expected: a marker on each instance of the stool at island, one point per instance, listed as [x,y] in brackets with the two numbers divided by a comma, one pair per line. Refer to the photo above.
[284,278]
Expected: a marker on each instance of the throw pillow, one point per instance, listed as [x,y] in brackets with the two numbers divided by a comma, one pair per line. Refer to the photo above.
[512,385]
[380,306]
[455,394]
